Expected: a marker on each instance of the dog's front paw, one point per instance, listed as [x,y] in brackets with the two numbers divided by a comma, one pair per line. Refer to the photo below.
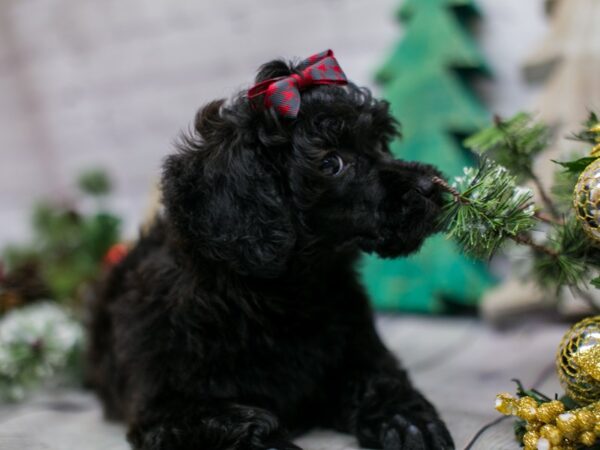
[415,432]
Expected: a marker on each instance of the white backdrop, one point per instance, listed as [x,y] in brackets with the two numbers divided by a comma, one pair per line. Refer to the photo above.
[110,83]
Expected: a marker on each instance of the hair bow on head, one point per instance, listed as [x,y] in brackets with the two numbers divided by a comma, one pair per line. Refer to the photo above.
[283,93]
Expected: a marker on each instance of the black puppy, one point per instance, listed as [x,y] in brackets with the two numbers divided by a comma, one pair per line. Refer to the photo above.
[238,320]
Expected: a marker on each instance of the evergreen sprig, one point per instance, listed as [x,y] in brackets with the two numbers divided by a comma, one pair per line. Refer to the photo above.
[586,135]
[514,144]
[577,261]
[562,189]
[488,207]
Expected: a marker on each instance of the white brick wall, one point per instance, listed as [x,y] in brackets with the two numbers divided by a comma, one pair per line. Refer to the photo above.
[110,83]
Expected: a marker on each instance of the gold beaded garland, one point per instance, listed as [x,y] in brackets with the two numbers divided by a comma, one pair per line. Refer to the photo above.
[506,404]
[586,418]
[548,412]
[527,409]
[587,438]
[568,424]
[578,361]
[552,434]
[530,439]
[548,424]
[567,431]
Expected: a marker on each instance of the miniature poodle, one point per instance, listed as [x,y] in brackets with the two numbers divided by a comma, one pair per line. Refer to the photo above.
[238,320]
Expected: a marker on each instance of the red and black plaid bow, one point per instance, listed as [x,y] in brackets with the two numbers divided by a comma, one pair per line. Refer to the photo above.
[283,93]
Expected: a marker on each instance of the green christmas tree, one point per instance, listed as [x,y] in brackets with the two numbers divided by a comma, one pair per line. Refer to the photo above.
[426,81]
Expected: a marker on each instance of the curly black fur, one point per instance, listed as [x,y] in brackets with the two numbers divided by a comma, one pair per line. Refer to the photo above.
[238,320]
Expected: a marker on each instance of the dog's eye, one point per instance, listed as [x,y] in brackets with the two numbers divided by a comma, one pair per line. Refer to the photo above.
[332,164]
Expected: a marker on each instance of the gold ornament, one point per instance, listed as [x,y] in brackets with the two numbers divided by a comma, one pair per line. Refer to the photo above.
[586,196]
[578,361]
[586,200]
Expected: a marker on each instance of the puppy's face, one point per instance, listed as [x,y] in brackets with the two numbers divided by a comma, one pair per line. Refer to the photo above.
[249,190]
[347,185]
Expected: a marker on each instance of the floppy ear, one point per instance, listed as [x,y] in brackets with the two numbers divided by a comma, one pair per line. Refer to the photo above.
[221,196]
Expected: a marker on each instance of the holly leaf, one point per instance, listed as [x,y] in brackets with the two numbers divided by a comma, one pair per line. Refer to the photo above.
[577,165]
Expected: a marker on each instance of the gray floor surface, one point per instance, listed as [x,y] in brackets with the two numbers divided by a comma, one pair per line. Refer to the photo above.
[461,364]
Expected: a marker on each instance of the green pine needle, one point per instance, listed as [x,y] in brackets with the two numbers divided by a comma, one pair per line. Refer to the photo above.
[577,257]
[512,143]
[562,190]
[585,135]
[490,209]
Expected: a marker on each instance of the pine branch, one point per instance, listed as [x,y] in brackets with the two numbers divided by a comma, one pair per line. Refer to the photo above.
[549,220]
[521,239]
[511,140]
[548,203]
[514,143]
[526,240]
[589,134]
[451,190]
[489,208]
[541,216]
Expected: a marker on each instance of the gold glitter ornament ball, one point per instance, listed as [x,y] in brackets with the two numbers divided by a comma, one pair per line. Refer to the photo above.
[578,361]
[586,200]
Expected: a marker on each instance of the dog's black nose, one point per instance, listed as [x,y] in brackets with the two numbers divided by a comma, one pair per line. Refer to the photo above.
[425,186]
